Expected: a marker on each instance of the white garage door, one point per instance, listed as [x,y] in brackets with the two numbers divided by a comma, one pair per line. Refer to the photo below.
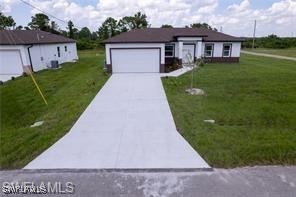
[135,60]
[10,64]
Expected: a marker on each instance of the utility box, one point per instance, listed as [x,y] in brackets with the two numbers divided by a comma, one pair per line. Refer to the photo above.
[54,64]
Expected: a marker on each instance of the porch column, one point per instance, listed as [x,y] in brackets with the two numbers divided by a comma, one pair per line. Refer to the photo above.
[180,52]
[199,49]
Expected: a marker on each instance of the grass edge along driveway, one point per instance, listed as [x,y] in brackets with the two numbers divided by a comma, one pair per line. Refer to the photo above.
[68,91]
[253,103]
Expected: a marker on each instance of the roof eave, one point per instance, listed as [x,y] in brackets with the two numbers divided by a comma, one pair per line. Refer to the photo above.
[223,40]
[133,42]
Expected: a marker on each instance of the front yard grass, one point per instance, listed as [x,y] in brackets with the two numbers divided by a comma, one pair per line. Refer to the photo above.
[289,52]
[68,91]
[254,106]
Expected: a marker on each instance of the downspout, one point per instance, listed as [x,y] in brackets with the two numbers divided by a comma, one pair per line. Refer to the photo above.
[30,57]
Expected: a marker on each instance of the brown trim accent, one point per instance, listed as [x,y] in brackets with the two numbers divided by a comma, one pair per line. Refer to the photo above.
[180,61]
[162,68]
[222,59]
[109,68]
[132,48]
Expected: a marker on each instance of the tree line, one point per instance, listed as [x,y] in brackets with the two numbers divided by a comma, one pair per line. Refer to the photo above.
[272,41]
[87,39]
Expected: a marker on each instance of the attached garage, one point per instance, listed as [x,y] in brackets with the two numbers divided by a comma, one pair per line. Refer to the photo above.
[135,60]
[11,64]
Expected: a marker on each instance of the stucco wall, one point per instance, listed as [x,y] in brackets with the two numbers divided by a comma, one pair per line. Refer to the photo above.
[218,48]
[236,48]
[43,54]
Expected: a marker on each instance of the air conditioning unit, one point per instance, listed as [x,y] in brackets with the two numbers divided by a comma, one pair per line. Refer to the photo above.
[54,64]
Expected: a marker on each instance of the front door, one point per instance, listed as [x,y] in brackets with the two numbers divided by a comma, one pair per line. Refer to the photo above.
[188,53]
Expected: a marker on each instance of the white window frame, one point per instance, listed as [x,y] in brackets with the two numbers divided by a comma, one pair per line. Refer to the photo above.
[173,50]
[228,50]
[212,50]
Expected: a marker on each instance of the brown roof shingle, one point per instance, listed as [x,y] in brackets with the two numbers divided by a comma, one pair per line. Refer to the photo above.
[20,37]
[156,35]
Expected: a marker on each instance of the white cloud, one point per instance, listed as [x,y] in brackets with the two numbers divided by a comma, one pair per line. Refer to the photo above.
[5,5]
[236,19]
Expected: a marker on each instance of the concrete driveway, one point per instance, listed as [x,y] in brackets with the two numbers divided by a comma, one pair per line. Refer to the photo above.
[128,125]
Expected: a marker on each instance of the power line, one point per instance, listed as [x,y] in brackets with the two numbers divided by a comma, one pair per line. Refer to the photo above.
[51,15]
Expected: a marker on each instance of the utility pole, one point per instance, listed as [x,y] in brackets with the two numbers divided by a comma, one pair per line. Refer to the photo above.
[254,34]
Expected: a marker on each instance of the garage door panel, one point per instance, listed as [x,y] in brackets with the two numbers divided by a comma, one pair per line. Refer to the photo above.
[10,63]
[135,60]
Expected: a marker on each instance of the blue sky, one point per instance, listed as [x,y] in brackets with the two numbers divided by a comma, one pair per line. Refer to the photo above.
[235,16]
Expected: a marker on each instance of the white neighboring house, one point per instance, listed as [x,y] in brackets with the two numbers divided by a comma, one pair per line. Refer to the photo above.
[32,49]
[156,49]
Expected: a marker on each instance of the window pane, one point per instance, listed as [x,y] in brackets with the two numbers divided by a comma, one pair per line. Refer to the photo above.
[226,47]
[169,47]
[226,50]
[226,53]
[169,50]
[168,53]
[208,50]
[209,47]
[208,53]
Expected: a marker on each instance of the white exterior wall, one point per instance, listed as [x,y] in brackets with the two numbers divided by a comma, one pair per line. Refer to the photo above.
[218,48]
[49,52]
[236,48]
[137,45]
[176,45]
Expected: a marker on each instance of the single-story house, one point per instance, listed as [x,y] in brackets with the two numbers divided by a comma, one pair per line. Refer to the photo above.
[32,49]
[155,49]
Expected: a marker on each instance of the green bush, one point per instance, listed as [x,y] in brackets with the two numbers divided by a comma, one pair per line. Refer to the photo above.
[271,41]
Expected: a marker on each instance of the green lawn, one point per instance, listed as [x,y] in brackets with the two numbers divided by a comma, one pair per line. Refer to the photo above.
[68,91]
[253,104]
[290,52]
